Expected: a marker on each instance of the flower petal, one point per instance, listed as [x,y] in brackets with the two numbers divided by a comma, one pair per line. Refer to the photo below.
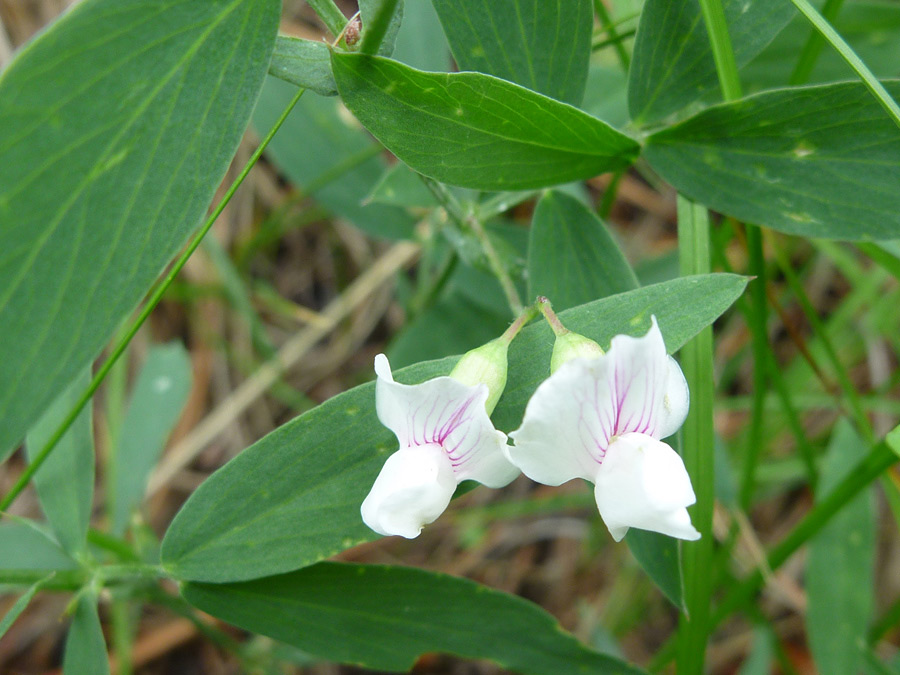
[643,483]
[676,401]
[566,427]
[639,375]
[448,413]
[413,488]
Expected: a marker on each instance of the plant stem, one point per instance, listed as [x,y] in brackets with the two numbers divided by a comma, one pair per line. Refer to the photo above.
[524,318]
[723,54]
[331,16]
[697,441]
[842,48]
[614,37]
[813,47]
[374,33]
[547,310]
[150,305]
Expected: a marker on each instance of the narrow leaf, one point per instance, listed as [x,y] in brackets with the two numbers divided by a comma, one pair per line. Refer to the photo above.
[840,572]
[819,161]
[475,130]
[572,256]
[673,62]
[306,63]
[119,122]
[293,498]
[384,617]
[85,651]
[19,606]
[159,395]
[368,10]
[65,483]
[544,46]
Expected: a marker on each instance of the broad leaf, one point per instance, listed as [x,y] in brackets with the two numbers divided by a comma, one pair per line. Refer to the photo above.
[476,130]
[673,61]
[306,63]
[544,46]
[159,395]
[65,482]
[326,154]
[420,41]
[384,617]
[572,256]
[85,647]
[840,571]
[293,498]
[25,546]
[818,161]
[119,122]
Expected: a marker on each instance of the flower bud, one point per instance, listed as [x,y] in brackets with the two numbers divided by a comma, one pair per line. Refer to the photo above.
[572,346]
[485,365]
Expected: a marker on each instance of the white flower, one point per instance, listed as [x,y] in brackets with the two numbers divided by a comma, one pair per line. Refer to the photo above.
[445,437]
[602,419]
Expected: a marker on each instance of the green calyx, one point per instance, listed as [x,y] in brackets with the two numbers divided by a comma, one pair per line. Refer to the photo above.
[485,365]
[570,346]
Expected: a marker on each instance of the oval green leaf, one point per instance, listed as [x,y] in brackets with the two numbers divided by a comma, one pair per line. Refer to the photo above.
[85,645]
[383,617]
[673,62]
[544,46]
[118,122]
[306,63]
[476,130]
[818,161]
[293,498]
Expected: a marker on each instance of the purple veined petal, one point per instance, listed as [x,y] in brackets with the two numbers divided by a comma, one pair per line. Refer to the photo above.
[567,424]
[639,375]
[447,413]
[643,483]
[413,488]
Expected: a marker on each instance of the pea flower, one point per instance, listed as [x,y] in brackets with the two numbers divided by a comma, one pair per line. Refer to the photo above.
[600,416]
[445,435]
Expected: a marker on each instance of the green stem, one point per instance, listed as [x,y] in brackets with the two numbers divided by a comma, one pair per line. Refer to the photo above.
[758,327]
[374,33]
[150,305]
[697,441]
[614,37]
[877,461]
[63,580]
[723,54]
[608,199]
[331,16]
[835,40]
[123,630]
[617,40]
[524,318]
[814,44]
[546,309]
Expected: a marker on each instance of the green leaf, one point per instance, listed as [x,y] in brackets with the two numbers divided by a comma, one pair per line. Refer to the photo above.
[420,41]
[401,186]
[762,654]
[368,9]
[544,46]
[840,573]
[85,652]
[322,151]
[813,161]
[475,130]
[27,547]
[383,617]
[657,555]
[572,256]
[19,606]
[156,403]
[65,483]
[871,28]
[306,63]
[293,498]
[673,61]
[119,122]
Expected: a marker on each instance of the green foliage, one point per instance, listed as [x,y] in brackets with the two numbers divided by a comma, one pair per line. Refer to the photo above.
[384,617]
[293,498]
[573,257]
[840,568]
[27,547]
[18,607]
[544,46]
[85,652]
[793,160]
[93,206]
[158,397]
[306,63]
[673,61]
[474,130]
[65,485]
